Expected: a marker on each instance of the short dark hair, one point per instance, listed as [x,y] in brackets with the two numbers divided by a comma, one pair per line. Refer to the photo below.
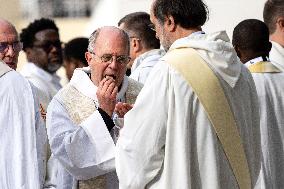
[186,13]
[139,24]
[253,35]
[76,49]
[273,9]
[27,35]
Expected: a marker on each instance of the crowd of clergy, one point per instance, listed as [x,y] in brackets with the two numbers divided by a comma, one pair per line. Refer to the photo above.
[154,102]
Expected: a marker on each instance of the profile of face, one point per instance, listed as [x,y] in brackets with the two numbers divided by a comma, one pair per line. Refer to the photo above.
[161,33]
[9,45]
[109,57]
[70,65]
[133,43]
[46,51]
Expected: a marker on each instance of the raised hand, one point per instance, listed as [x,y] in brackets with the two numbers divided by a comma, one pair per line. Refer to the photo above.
[106,94]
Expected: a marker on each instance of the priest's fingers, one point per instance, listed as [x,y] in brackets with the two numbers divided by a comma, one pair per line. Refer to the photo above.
[102,83]
[106,89]
[127,106]
[122,108]
[114,92]
[111,90]
[118,108]
[106,95]
[107,85]
[100,87]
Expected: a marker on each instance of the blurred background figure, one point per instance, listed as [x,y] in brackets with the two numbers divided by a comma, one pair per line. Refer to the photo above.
[22,120]
[251,42]
[42,46]
[10,45]
[144,46]
[273,16]
[74,55]
[43,50]
[22,134]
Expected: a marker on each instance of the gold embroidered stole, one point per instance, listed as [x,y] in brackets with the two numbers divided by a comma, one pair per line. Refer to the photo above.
[263,67]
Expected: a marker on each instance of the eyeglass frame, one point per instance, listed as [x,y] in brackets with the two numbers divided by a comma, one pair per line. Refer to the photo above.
[13,45]
[111,59]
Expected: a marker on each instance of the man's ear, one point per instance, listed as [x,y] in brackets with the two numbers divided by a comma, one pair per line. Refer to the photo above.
[88,57]
[238,51]
[170,23]
[29,53]
[136,44]
[28,50]
[280,23]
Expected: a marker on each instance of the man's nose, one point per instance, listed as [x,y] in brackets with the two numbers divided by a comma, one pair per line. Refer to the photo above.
[54,48]
[10,51]
[113,64]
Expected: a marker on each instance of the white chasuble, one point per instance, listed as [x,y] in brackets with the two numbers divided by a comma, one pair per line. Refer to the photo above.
[269,85]
[22,150]
[168,142]
[79,102]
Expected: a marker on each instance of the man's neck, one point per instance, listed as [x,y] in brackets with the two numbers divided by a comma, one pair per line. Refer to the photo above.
[183,32]
[142,52]
[247,55]
[278,38]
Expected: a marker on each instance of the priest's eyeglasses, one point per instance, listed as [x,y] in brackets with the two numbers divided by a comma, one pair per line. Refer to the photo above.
[108,58]
[4,46]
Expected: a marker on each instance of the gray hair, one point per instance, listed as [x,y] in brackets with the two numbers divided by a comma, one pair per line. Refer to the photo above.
[95,34]
[92,39]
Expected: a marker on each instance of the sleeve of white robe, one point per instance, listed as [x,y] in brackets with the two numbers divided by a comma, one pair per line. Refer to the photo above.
[85,150]
[18,151]
[41,137]
[140,147]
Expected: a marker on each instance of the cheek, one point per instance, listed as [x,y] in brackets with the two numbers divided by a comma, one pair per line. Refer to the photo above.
[121,75]
[131,53]
[159,34]
[16,57]
[41,57]
[97,71]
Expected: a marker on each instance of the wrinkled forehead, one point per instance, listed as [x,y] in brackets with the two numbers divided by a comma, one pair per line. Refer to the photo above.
[112,43]
[7,32]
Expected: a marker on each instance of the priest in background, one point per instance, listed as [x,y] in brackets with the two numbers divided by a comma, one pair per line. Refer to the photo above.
[251,41]
[23,138]
[273,16]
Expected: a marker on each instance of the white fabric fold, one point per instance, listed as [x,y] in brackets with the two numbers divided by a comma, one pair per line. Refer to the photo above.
[168,141]
[276,55]
[144,63]
[217,51]
[21,163]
